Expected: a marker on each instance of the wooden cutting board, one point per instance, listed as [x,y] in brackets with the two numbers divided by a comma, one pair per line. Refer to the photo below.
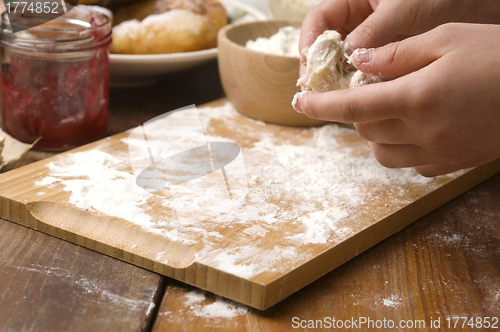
[295,204]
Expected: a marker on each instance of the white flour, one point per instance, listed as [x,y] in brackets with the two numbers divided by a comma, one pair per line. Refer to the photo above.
[299,192]
[221,308]
[392,301]
[285,42]
[100,186]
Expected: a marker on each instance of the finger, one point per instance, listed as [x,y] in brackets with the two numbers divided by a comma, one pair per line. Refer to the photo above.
[391,131]
[314,24]
[440,169]
[401,155]
[367,103]
[339,15]
[302,70]
[398,58]
[436,170]
[389,20]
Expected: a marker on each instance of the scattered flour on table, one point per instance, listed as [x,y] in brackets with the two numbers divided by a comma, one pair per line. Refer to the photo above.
[496,297]
[105,293]
[392,301]
[300,193]
[221,308]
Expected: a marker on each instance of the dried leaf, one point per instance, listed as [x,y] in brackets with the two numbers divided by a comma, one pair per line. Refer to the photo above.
[11,148]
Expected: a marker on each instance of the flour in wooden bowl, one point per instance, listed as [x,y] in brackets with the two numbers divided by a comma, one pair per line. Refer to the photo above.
[285,42]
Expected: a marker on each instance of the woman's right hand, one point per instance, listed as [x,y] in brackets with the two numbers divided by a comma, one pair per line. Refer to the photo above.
[440,114]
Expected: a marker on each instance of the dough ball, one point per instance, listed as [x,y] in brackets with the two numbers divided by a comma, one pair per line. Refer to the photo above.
[328,66]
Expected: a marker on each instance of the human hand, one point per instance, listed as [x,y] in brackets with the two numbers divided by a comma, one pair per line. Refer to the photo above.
[441,113]
[373,23]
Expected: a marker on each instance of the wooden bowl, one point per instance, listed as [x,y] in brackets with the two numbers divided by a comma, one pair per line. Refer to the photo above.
[259,85]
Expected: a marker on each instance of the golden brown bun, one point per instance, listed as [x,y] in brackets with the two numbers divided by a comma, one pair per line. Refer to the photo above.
[167,26]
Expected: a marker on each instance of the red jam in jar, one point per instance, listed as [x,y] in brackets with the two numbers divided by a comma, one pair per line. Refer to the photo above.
[55,79]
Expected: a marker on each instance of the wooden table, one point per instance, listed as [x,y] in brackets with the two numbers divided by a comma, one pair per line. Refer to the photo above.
[447,264]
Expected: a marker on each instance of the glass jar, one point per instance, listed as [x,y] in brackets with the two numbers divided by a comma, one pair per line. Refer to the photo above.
[55,79]
[291,9]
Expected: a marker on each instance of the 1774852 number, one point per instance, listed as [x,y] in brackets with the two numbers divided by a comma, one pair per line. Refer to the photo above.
[37,7]
[472,322]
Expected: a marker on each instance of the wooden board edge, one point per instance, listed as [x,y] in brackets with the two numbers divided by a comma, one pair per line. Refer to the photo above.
[372,235]
[196,274]
[255,294]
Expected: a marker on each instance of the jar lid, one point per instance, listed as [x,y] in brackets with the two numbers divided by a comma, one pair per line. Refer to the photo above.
[80,28]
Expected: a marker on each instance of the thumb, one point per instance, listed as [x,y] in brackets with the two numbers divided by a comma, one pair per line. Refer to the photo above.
[398,58]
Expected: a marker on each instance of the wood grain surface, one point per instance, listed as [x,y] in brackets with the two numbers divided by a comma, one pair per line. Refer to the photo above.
[47,284]
[52,285]
[443,265]
[386,208]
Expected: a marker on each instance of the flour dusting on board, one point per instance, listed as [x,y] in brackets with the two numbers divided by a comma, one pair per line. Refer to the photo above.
[290,190]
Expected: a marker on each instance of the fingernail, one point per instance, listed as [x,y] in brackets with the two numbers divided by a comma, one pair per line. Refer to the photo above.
[303,60]
[297,103]
[348,48]
[363,55]
[303,55]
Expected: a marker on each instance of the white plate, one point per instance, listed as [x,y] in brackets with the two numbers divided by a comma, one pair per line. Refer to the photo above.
[129,70]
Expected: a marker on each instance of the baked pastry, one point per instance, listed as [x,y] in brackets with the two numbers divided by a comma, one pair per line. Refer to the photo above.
[167,26]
